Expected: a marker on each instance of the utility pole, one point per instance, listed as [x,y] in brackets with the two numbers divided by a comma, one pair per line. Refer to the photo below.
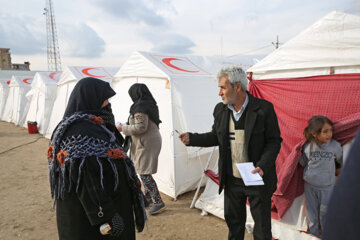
[53,52]
[277,42]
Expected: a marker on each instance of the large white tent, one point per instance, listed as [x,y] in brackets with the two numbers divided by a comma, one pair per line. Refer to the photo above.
[15,107]
[330,46]
[68,79]
[186,92]
[333,41]
[4,90]
[41,99]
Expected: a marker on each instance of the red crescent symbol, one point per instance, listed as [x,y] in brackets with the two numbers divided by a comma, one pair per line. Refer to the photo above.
[51,75]
[167,61]
[8,82]
[86,72]
[26,80]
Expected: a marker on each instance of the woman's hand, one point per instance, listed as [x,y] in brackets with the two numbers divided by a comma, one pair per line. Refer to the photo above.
[119,127]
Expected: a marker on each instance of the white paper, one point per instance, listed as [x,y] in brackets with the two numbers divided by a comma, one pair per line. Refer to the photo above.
[250,179]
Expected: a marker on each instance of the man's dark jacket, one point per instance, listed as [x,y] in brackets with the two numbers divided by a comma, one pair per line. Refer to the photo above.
[262,138]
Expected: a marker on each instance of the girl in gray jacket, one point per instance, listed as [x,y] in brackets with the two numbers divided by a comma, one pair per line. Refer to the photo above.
[318,159]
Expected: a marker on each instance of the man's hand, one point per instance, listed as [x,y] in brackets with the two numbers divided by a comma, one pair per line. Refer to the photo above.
[258,170]
[185,138]
[119,127]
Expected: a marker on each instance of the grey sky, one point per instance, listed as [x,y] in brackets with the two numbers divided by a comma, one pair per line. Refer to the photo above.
[106,32]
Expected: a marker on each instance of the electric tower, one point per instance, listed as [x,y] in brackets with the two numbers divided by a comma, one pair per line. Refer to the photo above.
[53,52]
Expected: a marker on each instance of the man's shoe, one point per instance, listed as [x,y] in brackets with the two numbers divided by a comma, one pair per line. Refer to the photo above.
[157,208]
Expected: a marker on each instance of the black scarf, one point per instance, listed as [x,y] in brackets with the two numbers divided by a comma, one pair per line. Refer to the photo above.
[109,121]
[144,102]
[88,95]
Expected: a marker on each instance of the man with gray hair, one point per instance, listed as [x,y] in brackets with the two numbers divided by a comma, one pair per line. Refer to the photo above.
[246,130]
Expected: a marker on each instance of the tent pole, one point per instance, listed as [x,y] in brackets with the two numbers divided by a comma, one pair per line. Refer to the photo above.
[201,179]
[173,139]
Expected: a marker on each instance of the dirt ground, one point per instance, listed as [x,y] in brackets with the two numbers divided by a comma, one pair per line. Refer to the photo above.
[26,205]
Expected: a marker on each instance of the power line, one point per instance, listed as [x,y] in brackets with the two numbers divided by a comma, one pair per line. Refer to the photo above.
[254,50]
[276,44]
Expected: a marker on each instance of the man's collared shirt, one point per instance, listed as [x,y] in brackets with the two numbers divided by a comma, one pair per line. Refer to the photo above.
[237,115]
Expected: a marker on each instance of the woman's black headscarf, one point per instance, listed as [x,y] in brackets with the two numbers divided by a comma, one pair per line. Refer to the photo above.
[88,96]
[144,102]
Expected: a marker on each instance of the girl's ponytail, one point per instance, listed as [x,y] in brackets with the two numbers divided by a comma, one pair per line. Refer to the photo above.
[307,134]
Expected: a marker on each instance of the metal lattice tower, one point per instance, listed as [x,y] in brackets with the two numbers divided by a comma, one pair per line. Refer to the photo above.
[53,52]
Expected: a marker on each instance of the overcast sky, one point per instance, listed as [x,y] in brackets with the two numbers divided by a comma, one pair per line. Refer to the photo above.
[105,32]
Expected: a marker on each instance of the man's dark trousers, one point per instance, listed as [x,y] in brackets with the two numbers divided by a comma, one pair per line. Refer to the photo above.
[236,194]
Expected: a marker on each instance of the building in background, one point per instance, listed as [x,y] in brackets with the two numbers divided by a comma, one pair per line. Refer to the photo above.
[5,61]
[21,66]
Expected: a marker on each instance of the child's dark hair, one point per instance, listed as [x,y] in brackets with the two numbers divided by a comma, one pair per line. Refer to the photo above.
[315,124]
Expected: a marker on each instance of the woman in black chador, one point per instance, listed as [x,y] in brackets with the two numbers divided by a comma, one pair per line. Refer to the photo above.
[93,182]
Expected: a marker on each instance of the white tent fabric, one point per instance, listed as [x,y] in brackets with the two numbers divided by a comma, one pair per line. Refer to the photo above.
[41,99]
[68,79]
[331,45]
[186,92]
[4,90]
[7,74]
[15,107]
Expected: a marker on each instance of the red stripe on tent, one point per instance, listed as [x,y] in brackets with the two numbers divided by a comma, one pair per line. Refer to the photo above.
[296,100]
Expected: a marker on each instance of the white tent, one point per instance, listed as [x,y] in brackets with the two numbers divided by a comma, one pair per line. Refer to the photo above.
[7,74]
[5,77]
[68,79]
[333,41]
[15,107]
[329,46]
[41,99]
[4,90]
[186,92]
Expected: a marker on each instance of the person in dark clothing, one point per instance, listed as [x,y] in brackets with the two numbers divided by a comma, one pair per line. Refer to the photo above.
[93,182]
[342,219]
[246,130]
